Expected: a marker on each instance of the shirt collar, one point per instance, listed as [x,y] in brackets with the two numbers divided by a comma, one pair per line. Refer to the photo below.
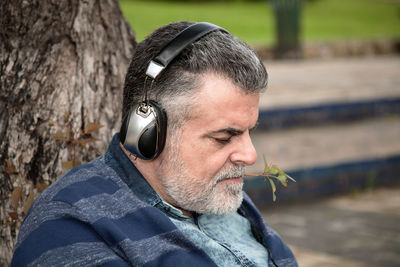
[171,210]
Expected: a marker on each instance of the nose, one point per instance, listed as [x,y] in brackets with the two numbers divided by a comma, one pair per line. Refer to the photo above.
[244,153]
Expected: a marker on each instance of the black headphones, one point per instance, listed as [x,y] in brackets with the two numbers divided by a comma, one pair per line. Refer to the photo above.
[143,131]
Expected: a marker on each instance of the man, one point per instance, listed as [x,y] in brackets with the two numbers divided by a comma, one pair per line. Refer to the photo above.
[181,204]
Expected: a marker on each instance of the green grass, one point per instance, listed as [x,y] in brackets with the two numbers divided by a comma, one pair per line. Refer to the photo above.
[351,19]
[323,20]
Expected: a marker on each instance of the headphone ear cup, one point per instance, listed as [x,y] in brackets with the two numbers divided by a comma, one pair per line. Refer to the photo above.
[144,134]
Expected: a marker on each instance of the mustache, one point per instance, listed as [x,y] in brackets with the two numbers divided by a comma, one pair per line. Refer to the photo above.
[232,172]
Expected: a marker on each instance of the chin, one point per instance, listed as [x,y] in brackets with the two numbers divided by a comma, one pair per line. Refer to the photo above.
[225,202]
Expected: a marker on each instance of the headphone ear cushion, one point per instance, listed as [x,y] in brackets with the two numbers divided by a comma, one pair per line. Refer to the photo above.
[147,143]
[162,122]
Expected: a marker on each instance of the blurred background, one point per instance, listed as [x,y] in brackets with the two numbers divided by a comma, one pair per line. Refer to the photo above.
[330,118]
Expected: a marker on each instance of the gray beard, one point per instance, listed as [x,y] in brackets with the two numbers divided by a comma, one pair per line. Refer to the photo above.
[202,196]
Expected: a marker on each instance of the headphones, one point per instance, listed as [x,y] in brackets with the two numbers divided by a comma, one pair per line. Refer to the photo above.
[144,129]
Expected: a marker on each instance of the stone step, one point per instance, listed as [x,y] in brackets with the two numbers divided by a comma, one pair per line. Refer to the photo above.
[314,82]
[315,92]
[322,181]
[328,159]
[329,113]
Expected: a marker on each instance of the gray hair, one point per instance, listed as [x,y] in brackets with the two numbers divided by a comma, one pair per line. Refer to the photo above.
[217,52]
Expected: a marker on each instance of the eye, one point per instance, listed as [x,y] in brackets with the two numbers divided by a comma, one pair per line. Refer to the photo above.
[223,141]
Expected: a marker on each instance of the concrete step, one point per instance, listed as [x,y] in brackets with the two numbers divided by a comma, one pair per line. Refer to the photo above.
[315,82]
[315,92]
[328,145]
[328,159]
[333,125]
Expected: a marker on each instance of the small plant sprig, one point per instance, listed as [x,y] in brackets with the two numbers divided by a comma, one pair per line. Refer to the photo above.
[272,171]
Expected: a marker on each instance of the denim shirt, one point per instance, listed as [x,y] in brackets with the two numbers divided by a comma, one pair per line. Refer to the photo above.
[227,239]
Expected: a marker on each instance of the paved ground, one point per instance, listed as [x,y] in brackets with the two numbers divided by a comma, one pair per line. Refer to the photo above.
[361,229]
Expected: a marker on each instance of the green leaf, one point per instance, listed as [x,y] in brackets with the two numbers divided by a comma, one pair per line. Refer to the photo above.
[273,189]
[274,170]
[290,178]
[283,179]
[266,169]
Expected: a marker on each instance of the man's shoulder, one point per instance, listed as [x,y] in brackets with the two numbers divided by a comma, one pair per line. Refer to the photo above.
[87,193]
[79,208]
[92,189]
[82,182]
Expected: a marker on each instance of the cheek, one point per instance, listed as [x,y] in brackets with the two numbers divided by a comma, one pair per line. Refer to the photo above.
[204,160]
[195,158]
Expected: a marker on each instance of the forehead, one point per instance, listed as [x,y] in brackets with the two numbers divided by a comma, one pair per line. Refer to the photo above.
[220,103]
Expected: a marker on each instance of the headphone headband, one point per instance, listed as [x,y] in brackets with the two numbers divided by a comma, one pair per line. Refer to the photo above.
[186,37]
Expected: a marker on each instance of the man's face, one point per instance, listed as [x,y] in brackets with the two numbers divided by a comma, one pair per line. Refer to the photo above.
[203,164]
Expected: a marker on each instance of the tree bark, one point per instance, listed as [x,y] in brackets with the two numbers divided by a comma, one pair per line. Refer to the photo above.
[62,66]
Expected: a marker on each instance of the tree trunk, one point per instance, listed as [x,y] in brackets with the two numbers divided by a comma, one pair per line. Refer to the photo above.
[62,66]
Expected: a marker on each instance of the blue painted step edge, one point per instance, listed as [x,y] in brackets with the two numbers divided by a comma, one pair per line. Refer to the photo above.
[326,113]
[328,180]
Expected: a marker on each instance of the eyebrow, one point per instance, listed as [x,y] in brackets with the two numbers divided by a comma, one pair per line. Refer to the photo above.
[231,131]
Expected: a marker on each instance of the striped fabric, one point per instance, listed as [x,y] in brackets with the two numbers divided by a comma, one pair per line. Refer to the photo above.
[94,216]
